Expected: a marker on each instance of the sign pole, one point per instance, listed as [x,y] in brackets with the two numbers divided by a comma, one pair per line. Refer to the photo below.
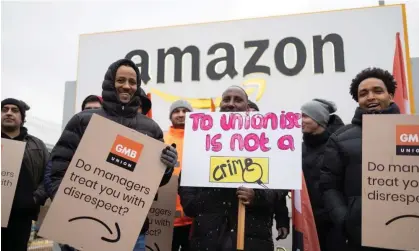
[240,226]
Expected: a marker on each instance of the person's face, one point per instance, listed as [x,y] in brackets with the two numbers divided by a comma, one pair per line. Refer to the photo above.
[373,95]
[234,100]
[11,118]
[92,105]
[125,83]
[309,125]
[178,117]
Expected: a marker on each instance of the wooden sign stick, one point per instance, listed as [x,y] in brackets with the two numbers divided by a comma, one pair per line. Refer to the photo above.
[240,226]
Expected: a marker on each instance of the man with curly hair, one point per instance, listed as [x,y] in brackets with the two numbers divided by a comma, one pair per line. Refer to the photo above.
[341,172]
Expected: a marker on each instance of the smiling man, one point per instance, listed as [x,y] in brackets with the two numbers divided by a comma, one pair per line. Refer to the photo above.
[215,209]
[121,90]
[341,172]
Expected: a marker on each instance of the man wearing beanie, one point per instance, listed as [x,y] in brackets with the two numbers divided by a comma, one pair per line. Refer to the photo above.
[341,173]
[182,224]
[30,193]
[318,123]
[91,102]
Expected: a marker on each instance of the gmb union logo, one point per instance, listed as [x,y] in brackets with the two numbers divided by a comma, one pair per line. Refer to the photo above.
[407,140]
[125,153]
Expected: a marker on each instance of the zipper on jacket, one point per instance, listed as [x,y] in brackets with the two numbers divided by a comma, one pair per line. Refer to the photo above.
[122,118]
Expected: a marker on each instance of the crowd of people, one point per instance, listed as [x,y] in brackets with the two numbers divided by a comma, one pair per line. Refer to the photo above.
[206,218]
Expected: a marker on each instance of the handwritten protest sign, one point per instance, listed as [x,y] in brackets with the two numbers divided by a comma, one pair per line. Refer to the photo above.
[390,160]
[161,217]
[107,190]
[12,154]
[234,149]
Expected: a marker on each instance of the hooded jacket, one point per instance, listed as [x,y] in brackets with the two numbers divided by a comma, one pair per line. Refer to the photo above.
[124,114]
[30,192]
[341,173]
[176,136]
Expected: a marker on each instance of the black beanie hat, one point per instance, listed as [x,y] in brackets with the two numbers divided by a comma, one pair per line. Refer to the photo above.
[23,107]
[91,98]
[253,105]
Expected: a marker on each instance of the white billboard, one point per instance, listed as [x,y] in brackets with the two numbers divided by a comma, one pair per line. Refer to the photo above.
[281,61]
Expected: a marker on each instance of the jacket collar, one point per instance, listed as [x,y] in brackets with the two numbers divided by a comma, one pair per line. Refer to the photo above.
[21,137]
[359,112]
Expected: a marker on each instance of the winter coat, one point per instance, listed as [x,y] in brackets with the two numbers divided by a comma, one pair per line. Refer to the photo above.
[215,212]
[313,153]
[30,193]
[113,109]
[341,177]
[175,135]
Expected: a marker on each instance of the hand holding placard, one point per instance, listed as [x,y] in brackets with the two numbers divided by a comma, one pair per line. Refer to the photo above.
[169,156]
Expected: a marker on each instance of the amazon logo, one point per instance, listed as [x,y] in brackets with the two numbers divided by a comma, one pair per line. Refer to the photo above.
[252,86]
[265,56]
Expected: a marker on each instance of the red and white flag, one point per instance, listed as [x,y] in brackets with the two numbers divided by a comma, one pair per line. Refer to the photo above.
[304,237]
[400,97]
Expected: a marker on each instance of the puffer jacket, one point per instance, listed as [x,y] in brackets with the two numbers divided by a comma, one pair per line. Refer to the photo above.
[30,193]
[215,212]
[341,177]
[113,109]
[313,153]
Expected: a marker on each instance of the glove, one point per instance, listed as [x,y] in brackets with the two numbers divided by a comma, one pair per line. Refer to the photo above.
[169,156]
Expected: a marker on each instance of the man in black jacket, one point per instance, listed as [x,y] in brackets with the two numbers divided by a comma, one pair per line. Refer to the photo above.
[341,173]
[30,193]
[318,123]
[215,210]
[121,100]
[281,211]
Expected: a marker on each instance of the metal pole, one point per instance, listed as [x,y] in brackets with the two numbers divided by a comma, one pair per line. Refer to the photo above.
[69,102]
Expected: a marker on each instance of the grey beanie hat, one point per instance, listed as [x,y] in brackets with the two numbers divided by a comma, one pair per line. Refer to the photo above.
[319,110]
[180,104]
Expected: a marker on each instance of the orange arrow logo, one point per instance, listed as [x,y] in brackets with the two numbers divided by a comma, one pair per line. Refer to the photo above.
[251,86]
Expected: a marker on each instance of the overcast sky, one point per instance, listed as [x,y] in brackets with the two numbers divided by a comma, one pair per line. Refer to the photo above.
[39,41]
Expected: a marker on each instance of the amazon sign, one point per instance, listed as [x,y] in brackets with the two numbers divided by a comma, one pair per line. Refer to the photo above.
[279,61]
